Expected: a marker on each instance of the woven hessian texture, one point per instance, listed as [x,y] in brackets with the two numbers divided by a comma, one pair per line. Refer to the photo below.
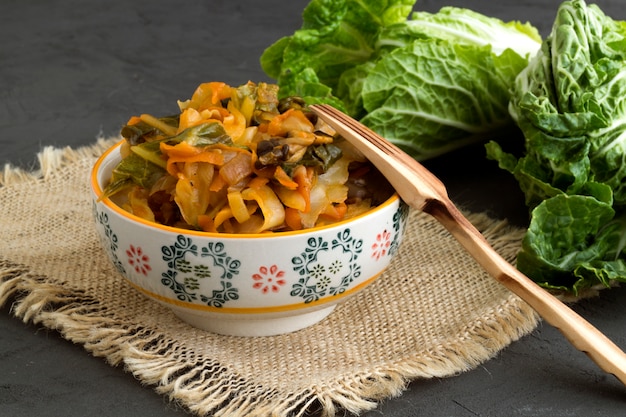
[433,313]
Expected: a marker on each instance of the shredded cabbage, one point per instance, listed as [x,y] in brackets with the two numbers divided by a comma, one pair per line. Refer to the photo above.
[237,160]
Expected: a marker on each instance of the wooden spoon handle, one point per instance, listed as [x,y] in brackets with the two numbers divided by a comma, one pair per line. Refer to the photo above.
[576,329]
[422,190]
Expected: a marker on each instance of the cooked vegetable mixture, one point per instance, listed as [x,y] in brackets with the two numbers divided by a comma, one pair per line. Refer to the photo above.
[239,160]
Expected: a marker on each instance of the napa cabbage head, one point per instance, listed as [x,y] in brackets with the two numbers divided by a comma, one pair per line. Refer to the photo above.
[570,104]
[430,83]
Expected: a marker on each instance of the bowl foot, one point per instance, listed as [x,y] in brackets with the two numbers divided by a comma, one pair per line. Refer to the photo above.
[254,326]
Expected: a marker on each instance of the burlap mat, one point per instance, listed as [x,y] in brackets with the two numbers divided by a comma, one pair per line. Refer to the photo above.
[434,313]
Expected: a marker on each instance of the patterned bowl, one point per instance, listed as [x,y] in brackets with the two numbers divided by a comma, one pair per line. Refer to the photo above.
[246,285]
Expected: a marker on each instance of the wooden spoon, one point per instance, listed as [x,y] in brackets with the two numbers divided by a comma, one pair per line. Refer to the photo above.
[422,190]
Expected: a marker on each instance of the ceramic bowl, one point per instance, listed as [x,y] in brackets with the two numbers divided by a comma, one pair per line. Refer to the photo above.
[247,285]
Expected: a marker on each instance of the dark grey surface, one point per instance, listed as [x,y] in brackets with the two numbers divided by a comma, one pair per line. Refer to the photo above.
[73,70]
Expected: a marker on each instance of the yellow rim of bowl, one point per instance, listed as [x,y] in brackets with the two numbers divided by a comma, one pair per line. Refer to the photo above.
[107,201]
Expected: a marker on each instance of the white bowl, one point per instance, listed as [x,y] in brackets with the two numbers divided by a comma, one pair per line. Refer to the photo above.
[246,285]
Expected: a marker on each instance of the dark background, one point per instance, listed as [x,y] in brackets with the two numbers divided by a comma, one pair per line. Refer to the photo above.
[72,71]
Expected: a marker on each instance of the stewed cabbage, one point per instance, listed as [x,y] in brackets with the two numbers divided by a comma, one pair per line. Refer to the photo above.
[239,160]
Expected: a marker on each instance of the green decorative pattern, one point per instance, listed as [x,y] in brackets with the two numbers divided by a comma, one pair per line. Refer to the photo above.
[182,276]
[230,268]
[400,217]
[112,241]
[353,247]
[316,278]
[174,256]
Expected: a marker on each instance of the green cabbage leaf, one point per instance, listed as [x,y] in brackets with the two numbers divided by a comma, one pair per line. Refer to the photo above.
[465,26]
[434,96]
[335,35]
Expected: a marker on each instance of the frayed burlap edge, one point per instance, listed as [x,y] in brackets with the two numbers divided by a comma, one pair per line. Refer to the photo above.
[207,387]
[51,159]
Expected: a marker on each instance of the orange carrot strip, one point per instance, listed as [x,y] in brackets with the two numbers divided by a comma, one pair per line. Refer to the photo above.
[335,211]
[214,113]
[284,179]
[234,123]
[133,120]
[209,94]
[189,117]
[290,198]
[184,152]
[304,177]
[217,184]
[291,120]
[220,90]
[206,223]
[257,182]
[292,218]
